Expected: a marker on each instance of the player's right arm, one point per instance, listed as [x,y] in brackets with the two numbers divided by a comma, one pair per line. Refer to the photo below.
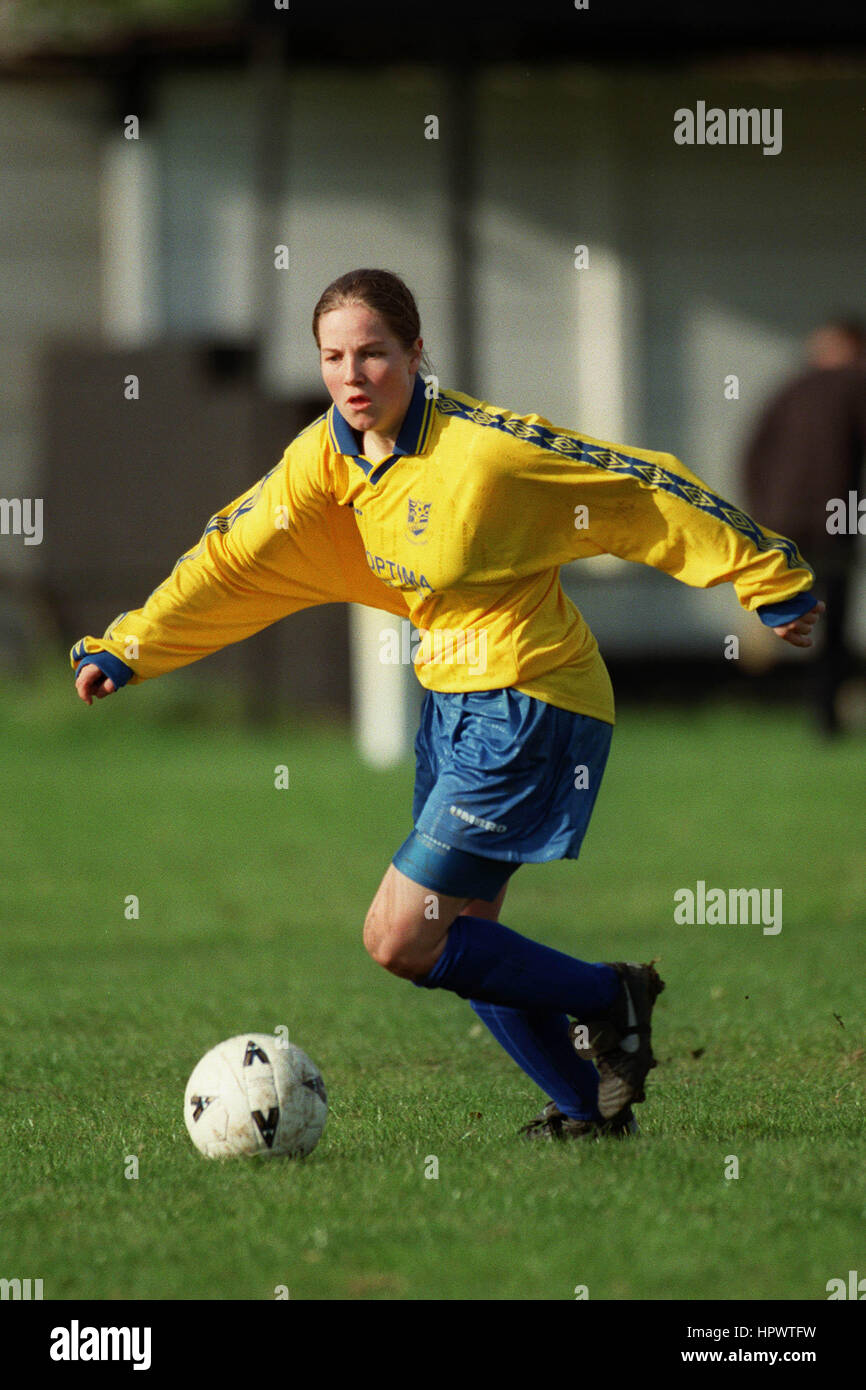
[93,684]
[281,546]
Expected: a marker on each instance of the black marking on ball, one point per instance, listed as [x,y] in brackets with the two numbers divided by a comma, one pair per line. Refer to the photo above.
[267,1127]
[201,1104]
[253,1051]
[315,1083]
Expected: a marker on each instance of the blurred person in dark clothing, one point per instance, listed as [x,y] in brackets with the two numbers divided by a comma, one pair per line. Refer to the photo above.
[808,448]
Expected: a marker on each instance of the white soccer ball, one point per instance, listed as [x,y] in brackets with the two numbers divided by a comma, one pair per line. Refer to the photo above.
[255,1094]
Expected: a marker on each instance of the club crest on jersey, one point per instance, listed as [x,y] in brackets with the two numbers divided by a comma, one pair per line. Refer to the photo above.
[419,515]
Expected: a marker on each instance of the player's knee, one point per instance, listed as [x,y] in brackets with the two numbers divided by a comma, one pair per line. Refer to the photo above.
[392,947]
[373,936]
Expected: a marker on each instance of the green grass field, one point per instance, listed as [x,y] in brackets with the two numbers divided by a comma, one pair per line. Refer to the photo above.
[251,904]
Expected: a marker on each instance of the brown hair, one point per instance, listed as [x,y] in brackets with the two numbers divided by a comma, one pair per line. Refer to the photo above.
[383,293]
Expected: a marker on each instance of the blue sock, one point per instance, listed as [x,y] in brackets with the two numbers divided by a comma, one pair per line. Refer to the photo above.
[487,962]
[539,1043]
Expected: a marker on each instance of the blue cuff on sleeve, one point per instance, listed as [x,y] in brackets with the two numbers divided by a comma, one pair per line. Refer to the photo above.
[777,614]
[109,665]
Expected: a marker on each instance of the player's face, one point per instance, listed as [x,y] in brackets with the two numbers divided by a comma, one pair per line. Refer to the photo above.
[368,372]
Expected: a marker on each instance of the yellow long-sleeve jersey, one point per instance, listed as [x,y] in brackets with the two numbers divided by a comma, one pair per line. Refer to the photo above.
[463,529]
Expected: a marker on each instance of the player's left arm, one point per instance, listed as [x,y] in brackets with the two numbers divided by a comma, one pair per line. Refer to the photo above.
[650,508]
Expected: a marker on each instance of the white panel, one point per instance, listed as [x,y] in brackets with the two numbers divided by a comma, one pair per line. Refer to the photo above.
[381,705]
[130,242]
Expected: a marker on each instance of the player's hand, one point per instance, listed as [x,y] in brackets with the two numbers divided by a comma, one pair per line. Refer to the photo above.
[91,682]
[798,633]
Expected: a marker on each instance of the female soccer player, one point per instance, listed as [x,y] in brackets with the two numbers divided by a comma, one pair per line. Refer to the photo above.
[458,515]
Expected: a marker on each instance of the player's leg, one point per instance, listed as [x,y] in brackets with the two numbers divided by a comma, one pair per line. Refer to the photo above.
[420,933]
[496,771]
[490,911]
[408,930]
[540,1044]
[407,924]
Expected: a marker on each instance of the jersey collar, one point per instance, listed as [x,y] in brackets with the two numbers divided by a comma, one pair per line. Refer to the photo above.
[413,438]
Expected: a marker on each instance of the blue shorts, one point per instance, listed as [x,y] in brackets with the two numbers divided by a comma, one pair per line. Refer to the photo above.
[501,779]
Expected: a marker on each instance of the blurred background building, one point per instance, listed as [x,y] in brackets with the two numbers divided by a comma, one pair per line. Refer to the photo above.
[516,164]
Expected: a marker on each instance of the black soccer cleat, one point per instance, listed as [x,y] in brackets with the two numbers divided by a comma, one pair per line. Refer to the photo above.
[622,1126]
[553,1124]
[619,1041]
